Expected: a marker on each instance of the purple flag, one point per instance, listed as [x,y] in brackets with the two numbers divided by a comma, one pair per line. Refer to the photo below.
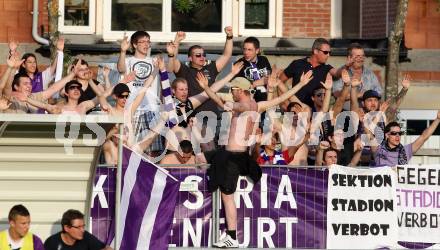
[149,195]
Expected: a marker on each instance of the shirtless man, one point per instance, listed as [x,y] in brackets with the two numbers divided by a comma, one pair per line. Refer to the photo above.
[186,156]
[73,91]
[234,160]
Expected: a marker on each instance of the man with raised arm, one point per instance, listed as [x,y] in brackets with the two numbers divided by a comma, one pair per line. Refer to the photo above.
[197,62]
[229,163]
[141,63]
[19,90]
[391,152]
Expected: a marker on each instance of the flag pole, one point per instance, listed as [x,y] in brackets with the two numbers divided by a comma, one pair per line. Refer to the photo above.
[118,188]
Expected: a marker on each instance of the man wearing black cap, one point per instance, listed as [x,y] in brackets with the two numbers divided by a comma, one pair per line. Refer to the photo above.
[371,103]
[73,91]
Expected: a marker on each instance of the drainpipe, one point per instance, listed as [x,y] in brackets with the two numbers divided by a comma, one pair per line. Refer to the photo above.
[35,34]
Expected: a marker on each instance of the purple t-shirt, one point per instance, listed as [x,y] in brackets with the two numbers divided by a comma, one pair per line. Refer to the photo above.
[385,157]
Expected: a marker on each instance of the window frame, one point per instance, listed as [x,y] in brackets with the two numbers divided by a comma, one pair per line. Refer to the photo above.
[270,31]
[71,29]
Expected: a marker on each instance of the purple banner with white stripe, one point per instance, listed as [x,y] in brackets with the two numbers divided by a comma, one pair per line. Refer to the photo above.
[148,199]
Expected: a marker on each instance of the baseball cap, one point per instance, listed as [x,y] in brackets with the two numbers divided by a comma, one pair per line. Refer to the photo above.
[241,82]
[371,93]
[72,83]
[120,88]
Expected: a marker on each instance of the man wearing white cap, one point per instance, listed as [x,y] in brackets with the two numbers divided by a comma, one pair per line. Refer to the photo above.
[229,163]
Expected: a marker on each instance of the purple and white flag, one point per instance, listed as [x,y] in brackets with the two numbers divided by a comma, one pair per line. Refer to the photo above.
[148,199]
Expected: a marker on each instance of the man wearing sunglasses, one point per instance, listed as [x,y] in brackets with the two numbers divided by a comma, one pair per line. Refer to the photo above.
[391,152]
[197,62]
[355,67]
[73,235]
[315,62]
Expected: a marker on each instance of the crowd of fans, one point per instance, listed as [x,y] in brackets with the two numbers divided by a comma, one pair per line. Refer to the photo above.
[293,104]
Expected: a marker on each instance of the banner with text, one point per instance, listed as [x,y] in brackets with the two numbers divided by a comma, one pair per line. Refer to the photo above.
[361,211]
[286,209]
[418,203]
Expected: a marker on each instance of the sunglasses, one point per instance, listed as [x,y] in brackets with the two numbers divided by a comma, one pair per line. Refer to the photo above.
[399,133]
[123,96]
[79,227]
[200,55]
[75,87]
[326,52]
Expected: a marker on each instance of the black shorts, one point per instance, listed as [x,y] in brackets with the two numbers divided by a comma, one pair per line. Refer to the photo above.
[226,167]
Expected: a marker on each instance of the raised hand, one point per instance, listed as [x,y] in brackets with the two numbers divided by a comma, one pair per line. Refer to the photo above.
[306,77]
[77,68]
[355,82]
[60,44]
[160,63]
[125,45]
[345,76]
[349,62]
[180,36]
[328,84]
[202,80]
[228,30]
[384,105]
[14,61]
[13,45]
[4,103]
[323,145]
[406,82]
[236,68]
[171,48]
[272,80]
[106,71]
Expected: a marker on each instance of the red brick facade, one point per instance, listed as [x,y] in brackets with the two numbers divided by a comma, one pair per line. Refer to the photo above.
[306,18]
[16,20]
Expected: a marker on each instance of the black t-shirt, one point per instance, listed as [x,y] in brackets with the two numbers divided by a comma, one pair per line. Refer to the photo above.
[297,67]
[255,71]
[190,73]
[89,242]
[88,94]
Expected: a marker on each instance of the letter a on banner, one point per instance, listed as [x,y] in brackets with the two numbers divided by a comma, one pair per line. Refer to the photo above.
[361,210]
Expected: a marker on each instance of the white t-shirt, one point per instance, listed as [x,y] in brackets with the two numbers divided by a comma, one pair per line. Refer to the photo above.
[14,244]
[143,68]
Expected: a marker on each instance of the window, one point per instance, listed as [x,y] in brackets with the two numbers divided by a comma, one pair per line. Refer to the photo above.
[163,18]
[77,16]
[362,18]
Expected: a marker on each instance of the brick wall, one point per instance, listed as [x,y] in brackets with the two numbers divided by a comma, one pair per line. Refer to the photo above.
[16,20]
[306,18]
[422,28]
[374,14]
